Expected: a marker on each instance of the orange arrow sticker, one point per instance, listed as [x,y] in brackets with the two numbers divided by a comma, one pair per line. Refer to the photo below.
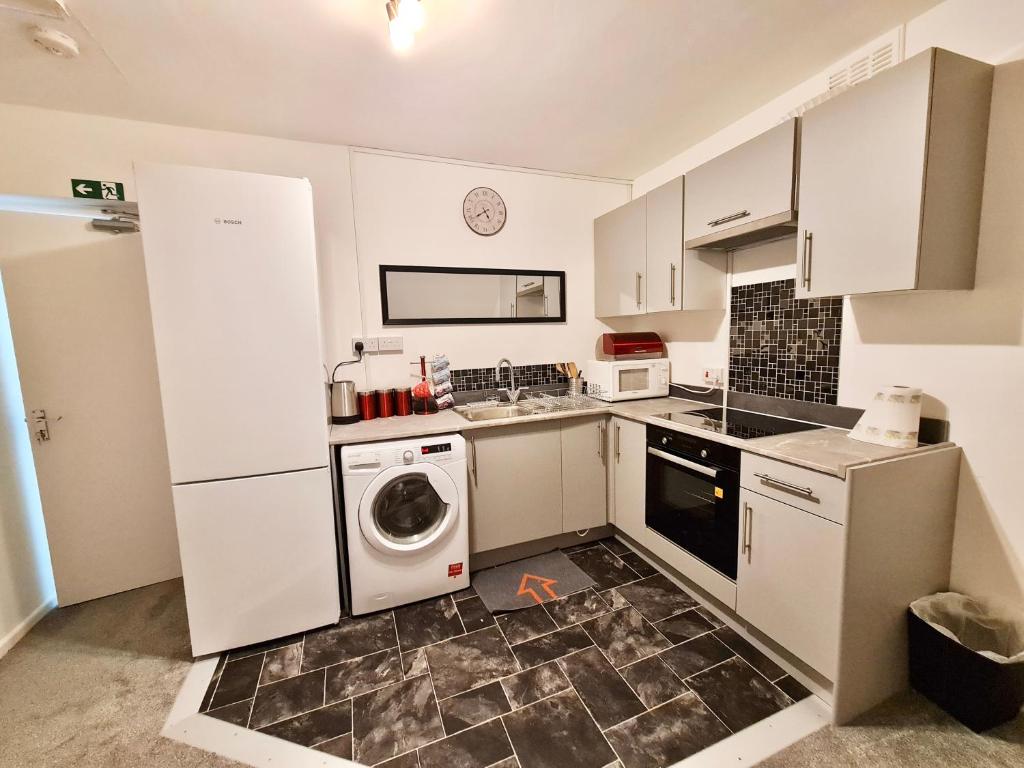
[542,582]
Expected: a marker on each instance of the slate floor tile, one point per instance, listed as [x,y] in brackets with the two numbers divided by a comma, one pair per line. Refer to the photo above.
[393,720]
[684,626]
[477,747]
[314,727]
[474,614]
[238,681]
[526,624]
[695,655]
[534,684]
[616,547]
[665,735]
[281,663]
[653,681]
[473,707]
[603,567]
[414,663]
[469,661]
[236,714]
[260,648]
[657,598]
[613,599]
[408,760]
[606,695]
[288,698]
[745,650]
[737,693]
[557,732]
[339,747]
[575,608]
[552,646]
[625,636]
[792,688]
[508,762]
[428,622]
[349,639]
[351,678]
[464,594]
[638,564]
[709,617]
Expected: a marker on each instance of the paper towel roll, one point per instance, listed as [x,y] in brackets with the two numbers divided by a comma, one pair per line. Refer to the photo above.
[893,418]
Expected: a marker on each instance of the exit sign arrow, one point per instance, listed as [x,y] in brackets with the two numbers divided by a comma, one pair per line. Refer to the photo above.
[97,190]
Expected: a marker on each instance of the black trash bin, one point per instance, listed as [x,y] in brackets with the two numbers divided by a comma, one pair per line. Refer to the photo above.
[978,690]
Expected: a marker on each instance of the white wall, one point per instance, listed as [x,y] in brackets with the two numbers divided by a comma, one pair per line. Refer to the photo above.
[964,348]
[409,211]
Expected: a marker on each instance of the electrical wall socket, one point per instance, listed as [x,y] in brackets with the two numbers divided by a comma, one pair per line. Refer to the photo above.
[713,376]
[369,344]
[389,343]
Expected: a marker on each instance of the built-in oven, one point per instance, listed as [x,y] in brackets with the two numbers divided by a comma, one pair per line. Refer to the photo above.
[693,488]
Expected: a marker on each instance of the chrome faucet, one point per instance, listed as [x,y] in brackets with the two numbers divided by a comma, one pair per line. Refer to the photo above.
[511,391]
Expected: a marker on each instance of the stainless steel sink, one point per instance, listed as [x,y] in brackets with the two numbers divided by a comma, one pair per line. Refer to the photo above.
[489,413]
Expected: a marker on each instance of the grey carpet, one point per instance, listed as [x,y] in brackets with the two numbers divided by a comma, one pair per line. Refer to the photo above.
[907,731]
[91,685]
[530,581]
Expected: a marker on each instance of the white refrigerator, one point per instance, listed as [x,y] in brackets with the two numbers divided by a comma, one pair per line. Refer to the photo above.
[231,268]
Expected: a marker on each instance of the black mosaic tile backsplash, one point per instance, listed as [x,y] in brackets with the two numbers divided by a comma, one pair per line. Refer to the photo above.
[476,379]
[782,346]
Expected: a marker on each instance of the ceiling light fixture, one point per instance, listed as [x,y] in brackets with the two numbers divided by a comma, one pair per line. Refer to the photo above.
[405,19]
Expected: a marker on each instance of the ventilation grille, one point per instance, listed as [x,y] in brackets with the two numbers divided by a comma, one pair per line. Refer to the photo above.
[881,54]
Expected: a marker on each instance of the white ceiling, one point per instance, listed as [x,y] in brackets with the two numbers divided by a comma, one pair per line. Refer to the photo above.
[601,87]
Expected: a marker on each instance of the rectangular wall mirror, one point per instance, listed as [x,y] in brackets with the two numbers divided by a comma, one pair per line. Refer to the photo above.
[455,295]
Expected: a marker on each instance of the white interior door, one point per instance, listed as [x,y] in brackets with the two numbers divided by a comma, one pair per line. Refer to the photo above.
[82,337]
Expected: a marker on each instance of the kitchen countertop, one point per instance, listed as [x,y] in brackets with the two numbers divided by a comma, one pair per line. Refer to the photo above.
[827,450]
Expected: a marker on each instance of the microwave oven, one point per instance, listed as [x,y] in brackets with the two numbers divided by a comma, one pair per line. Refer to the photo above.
[614,380]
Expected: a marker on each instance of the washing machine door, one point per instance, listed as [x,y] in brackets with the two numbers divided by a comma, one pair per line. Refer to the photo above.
[406,509]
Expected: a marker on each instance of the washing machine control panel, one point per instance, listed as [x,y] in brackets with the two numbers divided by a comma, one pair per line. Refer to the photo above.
[377,456]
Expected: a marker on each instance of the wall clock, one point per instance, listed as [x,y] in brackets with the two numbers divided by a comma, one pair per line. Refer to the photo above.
[484,211]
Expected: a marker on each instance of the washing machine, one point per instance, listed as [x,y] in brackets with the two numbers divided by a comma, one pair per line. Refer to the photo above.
[406,520]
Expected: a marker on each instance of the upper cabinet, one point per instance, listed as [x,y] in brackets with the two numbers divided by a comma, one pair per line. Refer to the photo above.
[746,194]
[665,246]
[891,180]
[639,262]
[620,260]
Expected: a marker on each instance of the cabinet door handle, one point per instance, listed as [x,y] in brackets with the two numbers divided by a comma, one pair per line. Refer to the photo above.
[748,528]
[472,444]
[805,260]
[638,278]
[730,217]
[800,490]
[618,430]
[600,441]
[545,306]
[672,284]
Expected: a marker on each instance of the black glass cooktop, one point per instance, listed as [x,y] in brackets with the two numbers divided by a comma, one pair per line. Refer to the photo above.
[735,423]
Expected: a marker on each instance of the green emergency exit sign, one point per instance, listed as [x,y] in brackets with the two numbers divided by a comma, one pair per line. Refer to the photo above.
[98,190]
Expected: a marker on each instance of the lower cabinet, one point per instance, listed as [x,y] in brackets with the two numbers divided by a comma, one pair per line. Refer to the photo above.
[515,485]
[584,475]
[629,476]
[789,580]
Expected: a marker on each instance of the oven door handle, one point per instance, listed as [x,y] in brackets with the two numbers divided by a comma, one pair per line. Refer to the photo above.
[683,462]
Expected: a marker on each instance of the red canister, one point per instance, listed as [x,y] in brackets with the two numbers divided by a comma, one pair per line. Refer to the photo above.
[403,402]
[367,406]
[385,403]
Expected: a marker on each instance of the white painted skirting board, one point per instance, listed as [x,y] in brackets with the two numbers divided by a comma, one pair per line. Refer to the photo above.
[11,638]
[184,724]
